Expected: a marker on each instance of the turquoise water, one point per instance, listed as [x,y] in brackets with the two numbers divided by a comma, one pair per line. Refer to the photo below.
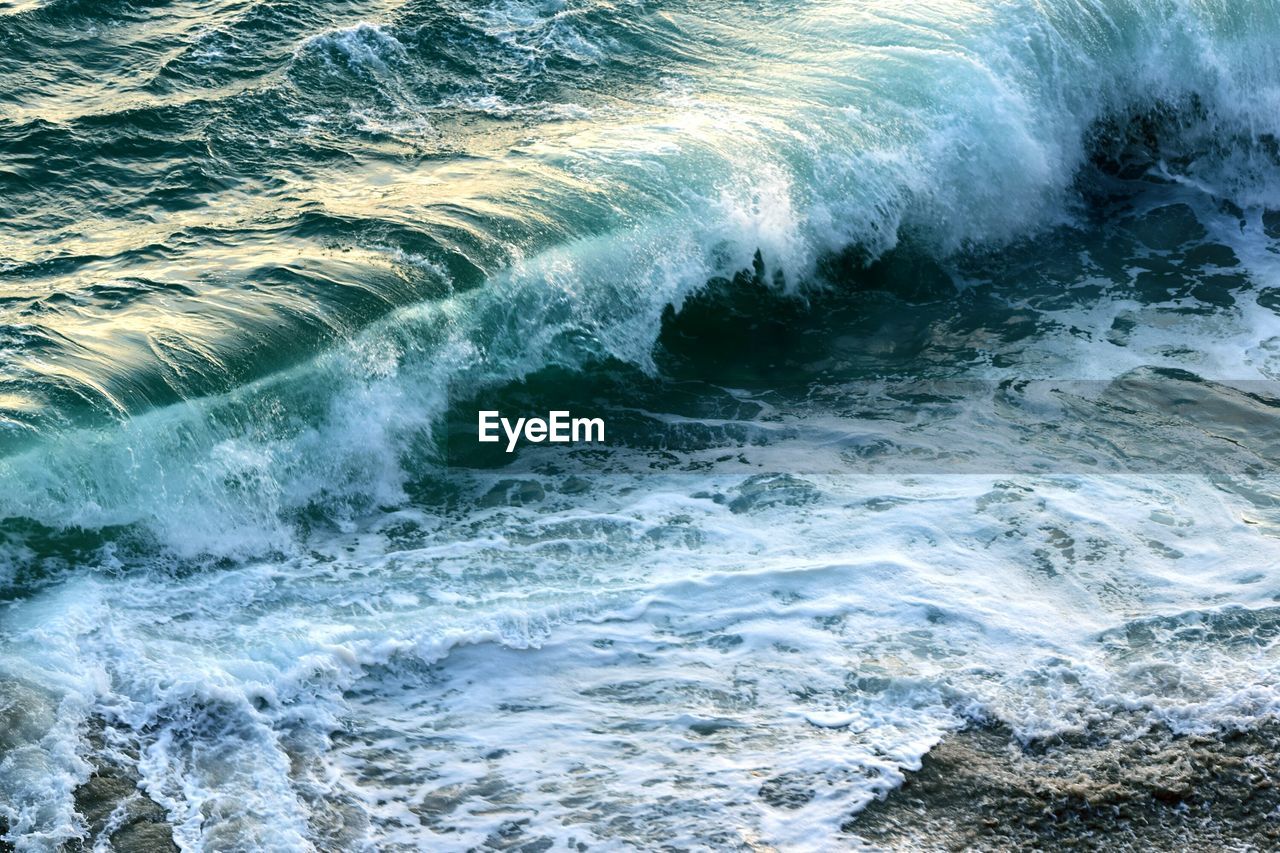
[937,344]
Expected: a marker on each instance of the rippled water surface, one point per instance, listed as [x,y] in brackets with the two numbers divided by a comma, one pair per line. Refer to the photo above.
[938,345]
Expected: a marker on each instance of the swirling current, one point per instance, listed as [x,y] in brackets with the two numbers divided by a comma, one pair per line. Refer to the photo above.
[937,342]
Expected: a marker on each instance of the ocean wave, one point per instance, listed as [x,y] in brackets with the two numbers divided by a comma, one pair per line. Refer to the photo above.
[548,28]
[252,580]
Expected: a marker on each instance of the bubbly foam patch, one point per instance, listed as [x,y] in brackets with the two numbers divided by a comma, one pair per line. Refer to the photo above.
[533,670]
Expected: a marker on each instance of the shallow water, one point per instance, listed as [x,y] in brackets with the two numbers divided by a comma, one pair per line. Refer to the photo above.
[938,346]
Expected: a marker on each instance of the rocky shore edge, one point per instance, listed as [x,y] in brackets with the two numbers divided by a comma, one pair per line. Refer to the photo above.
[980,789]
[115,810]
[1134,789]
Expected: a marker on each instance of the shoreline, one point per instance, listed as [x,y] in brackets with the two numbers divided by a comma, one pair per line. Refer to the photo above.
[117,810]
[980,790]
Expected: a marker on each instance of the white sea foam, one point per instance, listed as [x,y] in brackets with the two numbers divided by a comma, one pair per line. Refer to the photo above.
[545,666]
[707,659]
[545,29]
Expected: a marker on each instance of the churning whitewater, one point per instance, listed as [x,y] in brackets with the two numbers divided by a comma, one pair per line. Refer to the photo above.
[938,345]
